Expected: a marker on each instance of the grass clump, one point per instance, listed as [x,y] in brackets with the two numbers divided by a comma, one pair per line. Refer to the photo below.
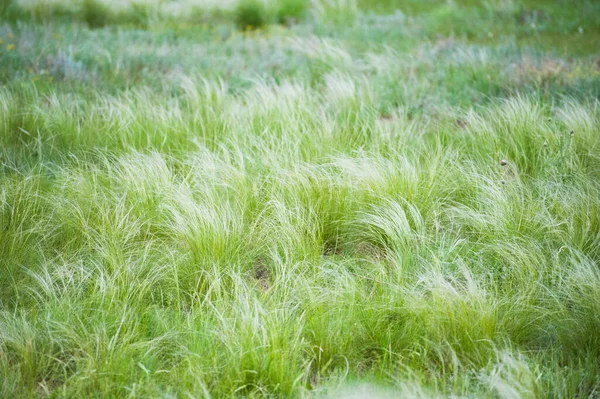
[251,14]
[95,13]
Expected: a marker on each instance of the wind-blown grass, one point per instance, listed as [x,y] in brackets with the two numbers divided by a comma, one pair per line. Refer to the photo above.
[305,214]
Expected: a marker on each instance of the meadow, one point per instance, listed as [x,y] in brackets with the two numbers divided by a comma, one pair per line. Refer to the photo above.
[284,198]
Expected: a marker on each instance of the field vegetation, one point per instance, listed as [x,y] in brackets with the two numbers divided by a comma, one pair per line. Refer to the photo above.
[284,198]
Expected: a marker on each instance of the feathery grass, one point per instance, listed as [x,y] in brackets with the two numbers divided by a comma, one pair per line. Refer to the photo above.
[319,209]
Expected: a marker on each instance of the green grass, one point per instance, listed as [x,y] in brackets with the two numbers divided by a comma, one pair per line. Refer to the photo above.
[315,207]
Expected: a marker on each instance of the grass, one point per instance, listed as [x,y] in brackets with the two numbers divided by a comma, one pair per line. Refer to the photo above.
[251,14]
[313,208]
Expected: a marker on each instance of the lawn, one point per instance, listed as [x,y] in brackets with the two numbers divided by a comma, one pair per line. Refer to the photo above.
[294,198]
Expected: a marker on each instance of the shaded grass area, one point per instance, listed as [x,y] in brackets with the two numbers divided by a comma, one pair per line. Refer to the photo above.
[316,208]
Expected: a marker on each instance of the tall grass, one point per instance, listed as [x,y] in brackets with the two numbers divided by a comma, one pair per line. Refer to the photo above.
[260,260]
[345,227]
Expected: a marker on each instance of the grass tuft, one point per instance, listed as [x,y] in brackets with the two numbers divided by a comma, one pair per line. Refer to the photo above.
[95,13]
[251,14]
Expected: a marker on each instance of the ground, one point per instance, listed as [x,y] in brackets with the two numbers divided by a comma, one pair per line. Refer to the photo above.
[392,198]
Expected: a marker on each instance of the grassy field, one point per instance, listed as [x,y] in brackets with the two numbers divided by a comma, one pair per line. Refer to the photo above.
[336,198]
